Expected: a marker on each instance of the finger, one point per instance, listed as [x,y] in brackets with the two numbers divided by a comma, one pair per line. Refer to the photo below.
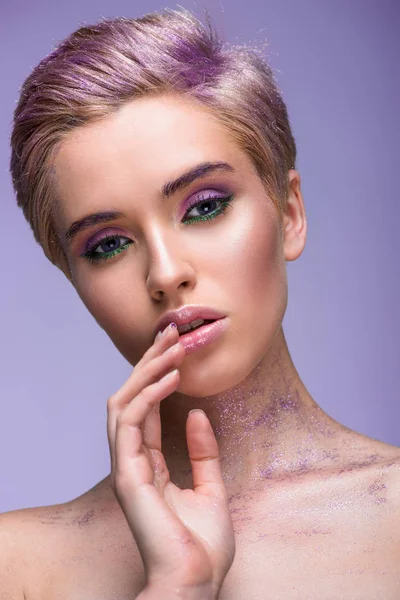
[129,455]
[148,516]
[153,447]
[170,335]
[151,426]
[161,474]
[138,380]
[139,473]
[204,455]
[152,429]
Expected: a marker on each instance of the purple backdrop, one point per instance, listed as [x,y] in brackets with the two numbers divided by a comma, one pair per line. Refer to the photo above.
[337,64]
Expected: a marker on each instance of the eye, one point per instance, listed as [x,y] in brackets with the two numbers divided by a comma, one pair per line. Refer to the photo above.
[106,247]
[211,207]
[111,245]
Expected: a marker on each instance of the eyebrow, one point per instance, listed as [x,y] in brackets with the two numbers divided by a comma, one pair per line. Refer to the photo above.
[169,188]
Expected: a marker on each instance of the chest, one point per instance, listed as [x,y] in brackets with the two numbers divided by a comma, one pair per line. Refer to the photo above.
[308,554]
[314,561]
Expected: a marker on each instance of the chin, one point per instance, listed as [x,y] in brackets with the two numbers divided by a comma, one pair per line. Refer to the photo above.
[201,381]
[207,375]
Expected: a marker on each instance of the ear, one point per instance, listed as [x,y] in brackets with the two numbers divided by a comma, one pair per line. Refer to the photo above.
[294,223]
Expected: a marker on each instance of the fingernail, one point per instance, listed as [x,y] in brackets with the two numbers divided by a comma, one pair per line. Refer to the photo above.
[168,329]
[168,376]
[197,410]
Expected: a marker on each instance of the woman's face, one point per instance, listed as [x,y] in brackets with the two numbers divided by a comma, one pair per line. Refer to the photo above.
[161,254]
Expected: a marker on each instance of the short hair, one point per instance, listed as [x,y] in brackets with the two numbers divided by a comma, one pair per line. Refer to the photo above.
[99,68]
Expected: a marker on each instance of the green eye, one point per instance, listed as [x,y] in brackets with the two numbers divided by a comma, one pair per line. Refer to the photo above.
[95,257]
[210,214]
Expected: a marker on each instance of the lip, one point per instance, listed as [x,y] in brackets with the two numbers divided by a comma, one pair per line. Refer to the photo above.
[198,338]
[187,314]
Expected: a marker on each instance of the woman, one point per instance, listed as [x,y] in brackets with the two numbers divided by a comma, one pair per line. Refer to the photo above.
[156,168]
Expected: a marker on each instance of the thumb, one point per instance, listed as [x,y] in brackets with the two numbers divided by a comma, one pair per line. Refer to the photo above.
[204,454]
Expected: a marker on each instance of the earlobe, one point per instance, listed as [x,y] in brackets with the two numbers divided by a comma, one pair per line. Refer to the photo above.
[294,219]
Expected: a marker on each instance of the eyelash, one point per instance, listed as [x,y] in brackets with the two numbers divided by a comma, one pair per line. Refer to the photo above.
[95,257]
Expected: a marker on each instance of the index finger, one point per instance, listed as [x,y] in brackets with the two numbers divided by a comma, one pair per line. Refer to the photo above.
[130,459]
[170,337]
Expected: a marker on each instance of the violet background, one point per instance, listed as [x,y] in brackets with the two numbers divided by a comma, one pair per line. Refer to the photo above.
[338,67]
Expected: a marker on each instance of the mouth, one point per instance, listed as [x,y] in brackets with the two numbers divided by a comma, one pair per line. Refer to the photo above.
[194,325]
[202,334]
[197,325]
[191,317]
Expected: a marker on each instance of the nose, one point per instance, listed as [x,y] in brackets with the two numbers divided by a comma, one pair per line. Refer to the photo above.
[170,271]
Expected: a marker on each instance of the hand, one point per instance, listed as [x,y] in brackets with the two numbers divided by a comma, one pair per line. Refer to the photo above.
[185,537]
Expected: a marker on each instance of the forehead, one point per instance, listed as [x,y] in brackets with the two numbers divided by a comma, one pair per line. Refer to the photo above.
[147,142]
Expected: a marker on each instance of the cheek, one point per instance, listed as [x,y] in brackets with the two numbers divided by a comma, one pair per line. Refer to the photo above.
[250,260]
[263,273]
[250,269]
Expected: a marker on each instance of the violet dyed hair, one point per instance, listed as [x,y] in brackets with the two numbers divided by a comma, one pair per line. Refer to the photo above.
[99,68]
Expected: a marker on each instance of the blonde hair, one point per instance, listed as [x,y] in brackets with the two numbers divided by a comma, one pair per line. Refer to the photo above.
[99,68]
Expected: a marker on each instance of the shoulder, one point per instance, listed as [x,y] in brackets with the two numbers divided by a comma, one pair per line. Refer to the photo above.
[379,462]
[13,542]
[388,470]
[369,470]
[379,470]
[365,486]
[385,461]
[45,545]
[384,490]
[358,451]
[29,538]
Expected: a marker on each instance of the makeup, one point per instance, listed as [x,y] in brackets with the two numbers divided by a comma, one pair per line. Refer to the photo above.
[204,335]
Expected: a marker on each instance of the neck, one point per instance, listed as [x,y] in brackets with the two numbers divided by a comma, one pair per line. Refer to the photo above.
[268,428]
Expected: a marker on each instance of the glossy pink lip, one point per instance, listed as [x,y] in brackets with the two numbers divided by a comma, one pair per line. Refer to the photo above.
[187,314]
[193,340]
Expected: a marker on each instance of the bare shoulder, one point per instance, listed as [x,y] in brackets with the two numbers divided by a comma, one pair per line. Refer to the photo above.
[384,489]
[388,469]
[373,455]
[13,559]
[377,464]
[45,545]
[383,457]
[30,539]
[368,471]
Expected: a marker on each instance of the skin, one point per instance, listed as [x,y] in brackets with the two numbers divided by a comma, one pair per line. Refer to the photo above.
[235,263]
[280,453]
